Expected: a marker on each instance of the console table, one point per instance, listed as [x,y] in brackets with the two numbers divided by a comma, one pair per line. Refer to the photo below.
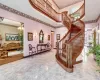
[43,48]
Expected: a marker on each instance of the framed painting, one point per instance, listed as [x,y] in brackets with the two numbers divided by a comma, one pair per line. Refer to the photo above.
[11,37]
[30,36]
[48,37]
[57,36]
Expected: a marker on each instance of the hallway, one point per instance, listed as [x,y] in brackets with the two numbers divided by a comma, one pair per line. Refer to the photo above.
[44,67]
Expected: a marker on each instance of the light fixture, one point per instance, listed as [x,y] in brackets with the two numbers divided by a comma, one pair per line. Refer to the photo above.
[35,33]
[98,31]
[1,19]
[21,28]
[52,31]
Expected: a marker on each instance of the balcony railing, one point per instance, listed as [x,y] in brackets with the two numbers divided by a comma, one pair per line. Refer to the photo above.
[44,7]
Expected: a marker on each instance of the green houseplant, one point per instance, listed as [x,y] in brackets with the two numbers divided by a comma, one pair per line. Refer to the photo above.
[95,50]
[21,38]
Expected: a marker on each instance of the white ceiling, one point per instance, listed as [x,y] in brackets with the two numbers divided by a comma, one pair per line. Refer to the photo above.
[65,3]
[10,22]
[25,7]
[92,9]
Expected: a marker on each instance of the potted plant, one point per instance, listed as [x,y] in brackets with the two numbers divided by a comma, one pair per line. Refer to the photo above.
[95,50]
[98,58]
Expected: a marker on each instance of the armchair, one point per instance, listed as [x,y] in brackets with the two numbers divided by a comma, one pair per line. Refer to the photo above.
[31,49]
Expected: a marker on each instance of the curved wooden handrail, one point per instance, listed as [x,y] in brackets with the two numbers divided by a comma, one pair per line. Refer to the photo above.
[52,8]
[82,15]
[82,7]
[52,16]
[78,9]
[65,35]
[65,46]
[77,35]
[68,53]
[68,26]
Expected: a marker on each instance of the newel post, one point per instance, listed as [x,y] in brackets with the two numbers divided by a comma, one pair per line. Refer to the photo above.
[57,47]
[69,55]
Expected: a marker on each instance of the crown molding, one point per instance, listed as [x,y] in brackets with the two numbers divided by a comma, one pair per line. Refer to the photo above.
[93,21]
[98,18]
[4,7]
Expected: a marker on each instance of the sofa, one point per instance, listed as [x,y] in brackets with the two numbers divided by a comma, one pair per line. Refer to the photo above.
[11,46]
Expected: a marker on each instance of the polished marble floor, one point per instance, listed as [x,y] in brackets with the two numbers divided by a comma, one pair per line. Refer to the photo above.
[15,53]
[44,67]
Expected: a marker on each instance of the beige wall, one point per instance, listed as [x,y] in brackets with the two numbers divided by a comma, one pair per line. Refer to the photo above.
[7,29]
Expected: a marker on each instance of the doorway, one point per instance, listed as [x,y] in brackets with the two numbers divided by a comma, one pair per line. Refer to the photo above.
[52,39]
[11,40]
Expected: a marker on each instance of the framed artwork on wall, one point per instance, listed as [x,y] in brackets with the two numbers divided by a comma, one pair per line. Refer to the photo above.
[11,37]
[30,36]
[57,36]
[48,37]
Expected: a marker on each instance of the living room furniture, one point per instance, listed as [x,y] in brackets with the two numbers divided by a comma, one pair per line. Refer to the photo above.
[32,49]
[43,47]
[11,46]
[3,54]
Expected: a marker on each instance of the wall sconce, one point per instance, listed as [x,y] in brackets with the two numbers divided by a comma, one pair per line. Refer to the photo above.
[52,32]
[98,31]
[20,28]
[35,34]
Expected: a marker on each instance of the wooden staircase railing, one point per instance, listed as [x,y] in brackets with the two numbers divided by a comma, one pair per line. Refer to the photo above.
[71,45]
[43,7]
[79,14]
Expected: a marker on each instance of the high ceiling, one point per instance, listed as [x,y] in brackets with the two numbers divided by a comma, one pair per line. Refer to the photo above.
[25,7]
[92,9]
[65,3]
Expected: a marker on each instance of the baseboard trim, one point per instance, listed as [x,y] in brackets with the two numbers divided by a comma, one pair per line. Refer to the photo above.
[36,54]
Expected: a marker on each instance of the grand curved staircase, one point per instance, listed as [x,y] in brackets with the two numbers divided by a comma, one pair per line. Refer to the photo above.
[71,45]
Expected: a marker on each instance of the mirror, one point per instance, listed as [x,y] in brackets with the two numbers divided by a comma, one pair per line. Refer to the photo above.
[11,38]
[41,37]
